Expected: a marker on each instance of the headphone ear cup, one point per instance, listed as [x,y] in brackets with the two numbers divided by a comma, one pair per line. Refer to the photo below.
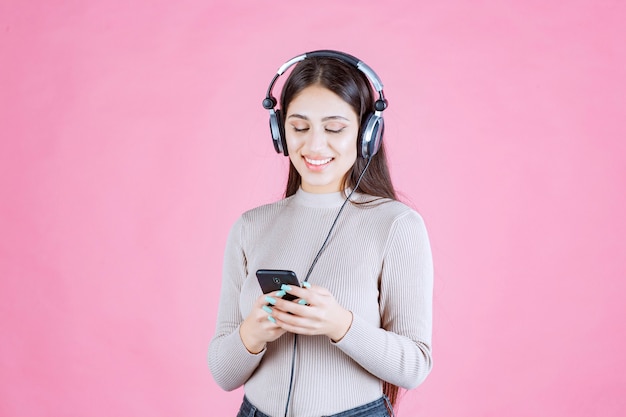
[278,132]
[371,140]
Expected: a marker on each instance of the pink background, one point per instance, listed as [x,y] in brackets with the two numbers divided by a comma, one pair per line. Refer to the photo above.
[132,136]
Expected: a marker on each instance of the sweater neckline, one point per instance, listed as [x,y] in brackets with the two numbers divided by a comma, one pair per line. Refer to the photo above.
[314,200]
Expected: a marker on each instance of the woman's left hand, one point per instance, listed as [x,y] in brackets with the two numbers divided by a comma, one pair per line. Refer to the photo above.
[315,312]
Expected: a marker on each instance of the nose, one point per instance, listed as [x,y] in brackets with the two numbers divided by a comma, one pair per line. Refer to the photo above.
[317,140]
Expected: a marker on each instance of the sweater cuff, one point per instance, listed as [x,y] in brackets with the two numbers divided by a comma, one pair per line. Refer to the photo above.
[245,354]
[235,363]
[359,333]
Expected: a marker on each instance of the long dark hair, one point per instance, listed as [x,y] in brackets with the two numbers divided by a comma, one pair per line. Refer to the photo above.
[354,88]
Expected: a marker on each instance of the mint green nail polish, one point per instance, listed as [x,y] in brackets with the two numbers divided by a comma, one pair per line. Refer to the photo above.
[285,287]
[280,293]
[272,319]
[306,284]
[302,301]
[270,300]
[267,309]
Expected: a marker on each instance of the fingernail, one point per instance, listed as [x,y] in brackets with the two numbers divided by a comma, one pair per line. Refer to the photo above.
[305,284]
[302,301]
[272,319]
[280,293]
[267,309]
[270,300]
[285,287]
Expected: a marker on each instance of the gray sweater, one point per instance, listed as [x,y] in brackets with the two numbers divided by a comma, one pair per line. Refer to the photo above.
[377,264]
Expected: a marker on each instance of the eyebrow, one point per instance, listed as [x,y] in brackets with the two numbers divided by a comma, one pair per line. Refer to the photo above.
[300,116]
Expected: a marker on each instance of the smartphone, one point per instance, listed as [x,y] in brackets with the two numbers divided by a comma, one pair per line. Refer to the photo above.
[271,280]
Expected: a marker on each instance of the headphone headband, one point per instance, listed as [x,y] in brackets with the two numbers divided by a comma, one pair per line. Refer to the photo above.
[381,104]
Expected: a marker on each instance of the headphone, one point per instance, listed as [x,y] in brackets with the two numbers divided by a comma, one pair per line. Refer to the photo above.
[372,124]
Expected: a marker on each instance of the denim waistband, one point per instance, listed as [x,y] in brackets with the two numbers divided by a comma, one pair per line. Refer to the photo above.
[248,410]
[377,408]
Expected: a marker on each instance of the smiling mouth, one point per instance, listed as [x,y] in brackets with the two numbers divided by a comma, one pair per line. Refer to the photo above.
[317,162]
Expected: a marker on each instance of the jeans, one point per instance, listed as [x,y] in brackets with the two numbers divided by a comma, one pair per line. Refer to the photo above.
[376,408]
[248,410]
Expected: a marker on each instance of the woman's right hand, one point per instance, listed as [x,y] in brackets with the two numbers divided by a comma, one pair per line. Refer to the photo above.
[258,328]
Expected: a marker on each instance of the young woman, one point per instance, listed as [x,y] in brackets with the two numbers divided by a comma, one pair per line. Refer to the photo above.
[360,326]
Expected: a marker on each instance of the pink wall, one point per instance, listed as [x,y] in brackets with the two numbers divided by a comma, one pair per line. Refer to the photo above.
[132,136]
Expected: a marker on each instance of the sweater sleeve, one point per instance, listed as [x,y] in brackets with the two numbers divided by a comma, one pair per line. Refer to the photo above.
[400,351]
[229,361]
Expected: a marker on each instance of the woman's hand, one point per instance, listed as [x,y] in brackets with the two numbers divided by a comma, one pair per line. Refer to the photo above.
[258,328]
[315,312]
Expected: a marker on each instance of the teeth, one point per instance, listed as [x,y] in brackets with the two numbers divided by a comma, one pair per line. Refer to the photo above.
[318,161]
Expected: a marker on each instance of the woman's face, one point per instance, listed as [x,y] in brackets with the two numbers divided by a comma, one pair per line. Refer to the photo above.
[321,132]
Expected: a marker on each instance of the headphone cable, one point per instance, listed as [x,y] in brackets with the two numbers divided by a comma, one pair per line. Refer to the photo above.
[308,274]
